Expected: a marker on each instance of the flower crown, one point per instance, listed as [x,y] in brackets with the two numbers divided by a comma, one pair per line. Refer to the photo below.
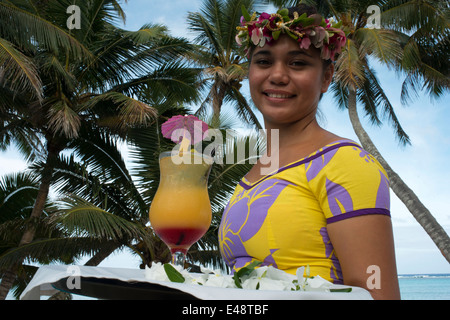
[306,30]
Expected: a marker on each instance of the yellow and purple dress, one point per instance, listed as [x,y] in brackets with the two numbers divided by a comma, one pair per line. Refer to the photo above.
[281,219]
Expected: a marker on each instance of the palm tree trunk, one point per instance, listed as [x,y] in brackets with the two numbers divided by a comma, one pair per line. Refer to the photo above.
[219,89]
[403,192]
[53,151]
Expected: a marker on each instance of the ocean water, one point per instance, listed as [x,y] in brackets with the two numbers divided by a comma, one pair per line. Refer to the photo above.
[425,286]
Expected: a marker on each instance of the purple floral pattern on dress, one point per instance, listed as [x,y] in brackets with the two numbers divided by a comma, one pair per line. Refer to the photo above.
[244,217]
[329,253]
[317,164]
[339,200]
[364,154]
[383,196]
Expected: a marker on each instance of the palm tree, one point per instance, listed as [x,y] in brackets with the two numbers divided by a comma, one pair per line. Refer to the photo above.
[223,68]
[17,195]
[414,39]
[424,29]
[98,74]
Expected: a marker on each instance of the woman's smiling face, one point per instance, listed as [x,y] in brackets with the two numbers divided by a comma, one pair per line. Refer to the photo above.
[286,81]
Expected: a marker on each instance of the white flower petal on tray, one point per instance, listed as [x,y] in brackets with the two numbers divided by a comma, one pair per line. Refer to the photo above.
[266,284]
[268,278]
[220,281]
[261,278]
[318,283]
[156,272]
[277,274]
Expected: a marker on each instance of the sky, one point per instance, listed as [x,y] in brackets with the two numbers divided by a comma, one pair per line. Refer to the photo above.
[422,165]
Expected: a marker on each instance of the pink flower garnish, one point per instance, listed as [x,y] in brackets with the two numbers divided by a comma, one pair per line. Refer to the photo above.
[193,128]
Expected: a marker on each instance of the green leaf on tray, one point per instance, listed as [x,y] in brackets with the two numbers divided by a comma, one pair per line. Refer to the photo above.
[173,274]
[245,271]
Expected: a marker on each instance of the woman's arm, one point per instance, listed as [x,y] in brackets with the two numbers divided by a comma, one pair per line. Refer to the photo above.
[364,246]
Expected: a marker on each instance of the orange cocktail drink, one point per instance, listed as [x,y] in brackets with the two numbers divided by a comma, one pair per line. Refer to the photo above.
[180,213]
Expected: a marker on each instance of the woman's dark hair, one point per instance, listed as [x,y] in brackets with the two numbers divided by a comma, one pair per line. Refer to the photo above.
[301,9]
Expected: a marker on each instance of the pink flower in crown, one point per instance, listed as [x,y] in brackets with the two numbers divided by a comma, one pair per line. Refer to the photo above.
[243,21]
[238,38]
[264,16]
[257,36]
[335,44]
[314,36]
[317,36]
[305,42]
[257,33]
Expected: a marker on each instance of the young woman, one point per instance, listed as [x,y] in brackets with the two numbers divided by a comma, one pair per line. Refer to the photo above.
[327,206]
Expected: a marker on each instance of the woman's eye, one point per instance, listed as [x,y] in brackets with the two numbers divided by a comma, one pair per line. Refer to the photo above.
[262,62]
[299,63]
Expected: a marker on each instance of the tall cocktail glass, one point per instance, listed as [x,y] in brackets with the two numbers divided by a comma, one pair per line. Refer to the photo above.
[180,213]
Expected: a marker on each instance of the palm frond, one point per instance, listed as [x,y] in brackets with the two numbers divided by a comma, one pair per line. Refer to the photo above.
[207,33]
[121,55]
[238,153]
[426,63]
[17,71]
[103,177]
[123,200]
[175,81]
[26,28]
[407,15]
[51,67]
[162,51]
[242,107]
[62,119]
[99,11]
[17,195]
[435,83]
[373,97]
[349,67]
[411,53]
[146,145]
[230,18]
[100,152]
[53,250]
[340,94]
[19,133]
[81,218]
[128,111]
[382,44]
